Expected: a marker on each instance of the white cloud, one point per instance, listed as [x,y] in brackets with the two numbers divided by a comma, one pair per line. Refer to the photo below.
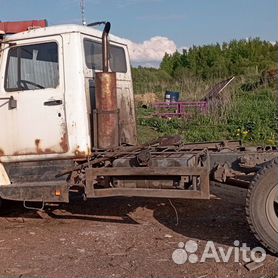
[152,50]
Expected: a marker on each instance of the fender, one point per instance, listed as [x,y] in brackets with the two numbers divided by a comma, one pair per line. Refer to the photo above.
[4,178]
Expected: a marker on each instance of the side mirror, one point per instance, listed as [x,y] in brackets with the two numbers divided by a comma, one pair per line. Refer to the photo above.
[12,103]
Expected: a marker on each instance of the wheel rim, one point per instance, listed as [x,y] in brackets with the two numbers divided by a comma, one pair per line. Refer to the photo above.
[272,208]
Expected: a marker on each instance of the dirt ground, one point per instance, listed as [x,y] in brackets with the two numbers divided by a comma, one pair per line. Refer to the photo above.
[126,237]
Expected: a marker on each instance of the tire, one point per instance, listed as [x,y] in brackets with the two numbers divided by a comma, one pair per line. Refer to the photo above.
[262,206]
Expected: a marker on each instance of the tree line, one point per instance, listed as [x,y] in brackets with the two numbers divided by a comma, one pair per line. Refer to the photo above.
[199,65]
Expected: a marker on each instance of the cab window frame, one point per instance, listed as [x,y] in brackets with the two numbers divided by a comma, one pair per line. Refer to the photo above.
[19,67]
[123,70]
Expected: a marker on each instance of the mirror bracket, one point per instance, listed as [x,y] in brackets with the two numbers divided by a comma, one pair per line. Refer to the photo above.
[12,103]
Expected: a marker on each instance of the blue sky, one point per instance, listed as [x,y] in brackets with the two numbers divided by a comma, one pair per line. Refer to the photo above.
[182,22]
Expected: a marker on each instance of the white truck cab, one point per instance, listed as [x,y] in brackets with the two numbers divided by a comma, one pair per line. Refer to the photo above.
[47,92]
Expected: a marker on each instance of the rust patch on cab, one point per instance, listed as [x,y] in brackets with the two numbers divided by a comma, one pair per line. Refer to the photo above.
[64,143]
[48,151]
[79,153]
[38,148]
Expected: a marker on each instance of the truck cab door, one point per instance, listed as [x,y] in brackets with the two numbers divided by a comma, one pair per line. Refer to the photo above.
[32,75]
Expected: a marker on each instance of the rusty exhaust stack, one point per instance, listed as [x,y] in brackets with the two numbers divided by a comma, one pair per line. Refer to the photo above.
[105,46]
[106,100]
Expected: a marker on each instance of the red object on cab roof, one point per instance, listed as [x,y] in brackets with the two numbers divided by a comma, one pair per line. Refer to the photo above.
[21,26]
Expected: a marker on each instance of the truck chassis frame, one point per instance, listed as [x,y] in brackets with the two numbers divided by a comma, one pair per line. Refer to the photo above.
[220,161]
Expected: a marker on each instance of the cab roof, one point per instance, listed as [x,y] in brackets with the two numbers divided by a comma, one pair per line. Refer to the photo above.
[62,29]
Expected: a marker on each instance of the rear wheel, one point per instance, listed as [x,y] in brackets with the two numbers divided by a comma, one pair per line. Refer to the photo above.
[262,206]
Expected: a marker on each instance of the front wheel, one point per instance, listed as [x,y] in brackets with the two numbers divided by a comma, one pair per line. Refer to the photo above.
[262,206]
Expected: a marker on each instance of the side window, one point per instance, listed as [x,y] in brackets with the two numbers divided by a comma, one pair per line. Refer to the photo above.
[93,56]
[32,67]
[117,59]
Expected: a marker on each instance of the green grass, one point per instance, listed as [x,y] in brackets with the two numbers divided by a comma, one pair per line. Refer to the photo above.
[252,117]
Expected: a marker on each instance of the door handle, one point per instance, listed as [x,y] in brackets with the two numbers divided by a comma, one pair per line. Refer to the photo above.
[53,102]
